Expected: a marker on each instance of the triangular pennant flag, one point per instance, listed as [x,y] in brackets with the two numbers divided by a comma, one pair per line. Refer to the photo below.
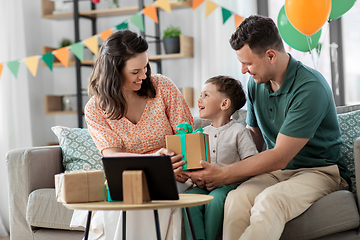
[78,50]
[238,20]
[104,35]
[137,20]
[92,43]
[196,3]
[122,26]
[63,55]
[210,7]
[225,14]
[48,58]
[32,64]
[1,68]
[14,67]
[164,5]
[151,12]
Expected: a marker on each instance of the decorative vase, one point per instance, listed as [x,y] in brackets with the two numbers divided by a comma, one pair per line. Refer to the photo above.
[171,45]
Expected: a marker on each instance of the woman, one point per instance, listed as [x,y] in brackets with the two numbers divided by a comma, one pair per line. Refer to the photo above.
[130,113]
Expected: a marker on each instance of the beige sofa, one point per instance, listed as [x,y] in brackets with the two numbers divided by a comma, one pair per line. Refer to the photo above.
[35,214]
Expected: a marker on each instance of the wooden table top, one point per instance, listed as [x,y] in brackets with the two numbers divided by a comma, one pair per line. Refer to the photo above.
[185,200]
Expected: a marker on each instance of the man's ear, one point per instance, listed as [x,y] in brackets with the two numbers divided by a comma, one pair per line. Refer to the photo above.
[271,55]
[225,104]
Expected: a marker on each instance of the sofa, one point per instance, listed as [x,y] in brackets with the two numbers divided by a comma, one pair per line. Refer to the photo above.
[35,214]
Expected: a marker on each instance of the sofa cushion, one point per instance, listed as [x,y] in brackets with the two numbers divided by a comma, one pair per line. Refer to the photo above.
[78,148]
[44,211]
[322,218]
[350,130]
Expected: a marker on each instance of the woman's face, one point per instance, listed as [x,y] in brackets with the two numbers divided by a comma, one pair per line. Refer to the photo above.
[134,72]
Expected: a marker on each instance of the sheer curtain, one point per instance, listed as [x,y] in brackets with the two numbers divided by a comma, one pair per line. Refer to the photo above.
[15,127]
[212,52]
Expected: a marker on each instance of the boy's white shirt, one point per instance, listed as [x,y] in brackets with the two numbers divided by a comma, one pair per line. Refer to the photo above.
[229,143]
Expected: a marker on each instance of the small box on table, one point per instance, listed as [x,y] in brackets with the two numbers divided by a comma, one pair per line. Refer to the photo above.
[80,186]
[196,148]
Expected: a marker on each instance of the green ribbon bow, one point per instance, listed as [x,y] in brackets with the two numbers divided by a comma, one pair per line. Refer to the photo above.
[183,129]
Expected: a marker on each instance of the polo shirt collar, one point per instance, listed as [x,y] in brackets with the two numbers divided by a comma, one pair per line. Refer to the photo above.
[289,78]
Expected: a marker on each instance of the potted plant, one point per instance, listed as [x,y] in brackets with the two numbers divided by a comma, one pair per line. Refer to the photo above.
[171,39]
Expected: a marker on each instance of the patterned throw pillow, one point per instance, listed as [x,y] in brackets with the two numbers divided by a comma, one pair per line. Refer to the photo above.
[78,149]
[350,130]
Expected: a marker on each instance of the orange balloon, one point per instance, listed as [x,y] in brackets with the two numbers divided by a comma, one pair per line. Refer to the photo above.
[307,16]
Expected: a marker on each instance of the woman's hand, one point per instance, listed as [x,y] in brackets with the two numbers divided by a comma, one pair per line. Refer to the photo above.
[177,164]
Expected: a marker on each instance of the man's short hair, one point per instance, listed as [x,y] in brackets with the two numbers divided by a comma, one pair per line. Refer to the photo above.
[231,88]
[260,33]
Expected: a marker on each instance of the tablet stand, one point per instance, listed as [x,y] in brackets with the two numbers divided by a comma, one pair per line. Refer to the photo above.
[135,188]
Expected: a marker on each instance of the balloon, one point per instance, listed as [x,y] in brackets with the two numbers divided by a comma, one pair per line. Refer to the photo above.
[308,16]
[339,7]
[293,37]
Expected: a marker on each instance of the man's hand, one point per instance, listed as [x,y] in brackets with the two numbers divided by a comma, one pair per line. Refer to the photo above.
[212,175]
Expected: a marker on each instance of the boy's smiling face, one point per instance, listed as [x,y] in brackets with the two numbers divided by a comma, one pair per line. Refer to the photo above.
[210,102]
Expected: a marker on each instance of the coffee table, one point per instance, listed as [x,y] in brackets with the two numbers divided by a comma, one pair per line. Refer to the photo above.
[185,201]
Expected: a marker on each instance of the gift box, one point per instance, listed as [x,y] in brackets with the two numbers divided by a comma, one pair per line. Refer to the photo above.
[80,186]
[194,146]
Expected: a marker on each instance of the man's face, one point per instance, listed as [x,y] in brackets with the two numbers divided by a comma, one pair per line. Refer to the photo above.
[258,67]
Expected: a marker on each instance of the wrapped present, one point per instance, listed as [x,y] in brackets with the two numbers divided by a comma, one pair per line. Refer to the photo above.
[80,186]
[193,145]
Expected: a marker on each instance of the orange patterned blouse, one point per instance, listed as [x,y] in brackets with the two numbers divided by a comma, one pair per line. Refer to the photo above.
[160,117]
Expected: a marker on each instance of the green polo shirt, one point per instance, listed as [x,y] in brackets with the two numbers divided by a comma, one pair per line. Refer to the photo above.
[303,107]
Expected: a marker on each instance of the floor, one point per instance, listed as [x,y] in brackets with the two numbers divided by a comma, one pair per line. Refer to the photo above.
[5,238]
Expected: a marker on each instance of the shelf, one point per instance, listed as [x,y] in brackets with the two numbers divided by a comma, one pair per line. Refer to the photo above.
[186,51]
[49,6]
[54,105]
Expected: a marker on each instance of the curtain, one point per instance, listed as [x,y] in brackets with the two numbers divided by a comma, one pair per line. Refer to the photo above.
[212,52]
[15,127]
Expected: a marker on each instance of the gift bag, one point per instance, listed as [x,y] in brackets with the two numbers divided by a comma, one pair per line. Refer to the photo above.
[80,186]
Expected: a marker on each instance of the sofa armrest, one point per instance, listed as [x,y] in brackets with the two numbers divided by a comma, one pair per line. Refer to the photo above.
[29,169]
[357,167]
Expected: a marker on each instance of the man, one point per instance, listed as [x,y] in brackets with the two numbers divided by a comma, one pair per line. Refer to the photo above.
[291,110]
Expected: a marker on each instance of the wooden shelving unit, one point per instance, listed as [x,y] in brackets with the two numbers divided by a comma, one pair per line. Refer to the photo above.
[54,105]
[49,6]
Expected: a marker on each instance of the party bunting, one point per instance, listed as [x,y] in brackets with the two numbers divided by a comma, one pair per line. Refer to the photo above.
[151,12]
[14,67]
[137,20]
[164,5]
[196,3]
[32,64]
[105,34]
[122,26]
[92,43]
[62,55]
[225,14]
[1,68]
[78,50]
[210,7]
[48,58]
[238,20]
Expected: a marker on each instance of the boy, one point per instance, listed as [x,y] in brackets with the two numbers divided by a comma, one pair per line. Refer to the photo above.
[229,142]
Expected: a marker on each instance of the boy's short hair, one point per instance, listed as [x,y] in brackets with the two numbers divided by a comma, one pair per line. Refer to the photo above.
[231,88]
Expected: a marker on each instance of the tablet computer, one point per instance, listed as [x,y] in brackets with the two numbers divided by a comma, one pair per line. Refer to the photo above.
[158,171]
